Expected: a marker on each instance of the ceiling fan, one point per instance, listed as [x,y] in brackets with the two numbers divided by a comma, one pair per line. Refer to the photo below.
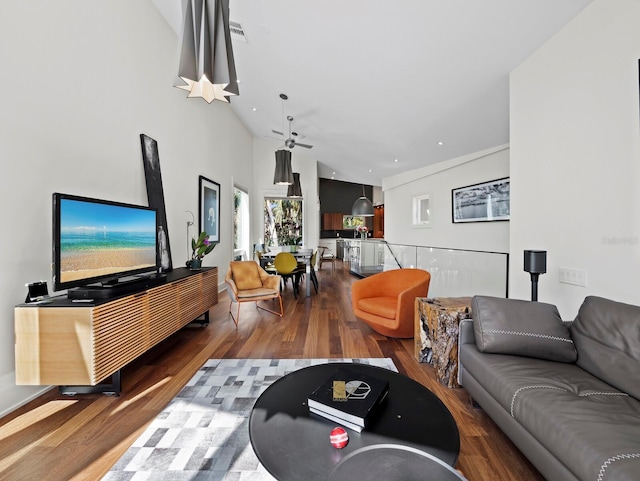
[290,142]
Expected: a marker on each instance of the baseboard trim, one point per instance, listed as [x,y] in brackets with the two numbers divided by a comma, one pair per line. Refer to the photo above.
[14,397]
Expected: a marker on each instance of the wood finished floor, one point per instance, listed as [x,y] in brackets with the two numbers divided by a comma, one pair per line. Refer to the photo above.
[79,438]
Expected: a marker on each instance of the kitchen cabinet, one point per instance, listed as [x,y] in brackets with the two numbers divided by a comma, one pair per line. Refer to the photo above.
[332,221]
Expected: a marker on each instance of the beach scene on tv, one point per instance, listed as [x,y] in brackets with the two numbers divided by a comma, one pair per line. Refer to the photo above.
[101,239]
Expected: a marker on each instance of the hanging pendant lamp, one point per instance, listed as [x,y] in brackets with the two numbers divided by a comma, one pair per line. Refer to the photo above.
[295,190]
[207,66]
[362,207]
[283,174]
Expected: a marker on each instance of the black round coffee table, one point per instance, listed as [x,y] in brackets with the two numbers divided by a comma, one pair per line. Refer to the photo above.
[293,444]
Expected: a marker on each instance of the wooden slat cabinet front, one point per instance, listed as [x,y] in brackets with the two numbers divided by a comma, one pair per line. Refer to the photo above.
[65,344]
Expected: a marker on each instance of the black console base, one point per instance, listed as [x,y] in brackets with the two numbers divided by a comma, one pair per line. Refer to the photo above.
[112,388]
[118,289]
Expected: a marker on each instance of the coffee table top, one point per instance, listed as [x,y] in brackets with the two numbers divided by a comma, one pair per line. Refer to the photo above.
[293,444]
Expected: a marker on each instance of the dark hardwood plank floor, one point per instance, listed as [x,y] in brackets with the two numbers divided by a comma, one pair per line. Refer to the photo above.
[64,438]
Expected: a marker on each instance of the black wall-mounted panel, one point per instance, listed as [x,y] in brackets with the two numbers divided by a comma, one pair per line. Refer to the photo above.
[339,196]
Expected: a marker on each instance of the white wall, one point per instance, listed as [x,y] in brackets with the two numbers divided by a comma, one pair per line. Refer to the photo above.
[264,163]
[81,81]
[437,181]
[575,170]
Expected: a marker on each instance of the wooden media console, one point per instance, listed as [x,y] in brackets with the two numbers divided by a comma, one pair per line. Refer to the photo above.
[78,344]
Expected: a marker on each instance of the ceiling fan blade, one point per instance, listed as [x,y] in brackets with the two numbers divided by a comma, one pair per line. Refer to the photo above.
[276,132]
[306,146]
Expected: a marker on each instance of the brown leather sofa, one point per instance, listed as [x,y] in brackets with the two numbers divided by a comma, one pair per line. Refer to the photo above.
[385,301]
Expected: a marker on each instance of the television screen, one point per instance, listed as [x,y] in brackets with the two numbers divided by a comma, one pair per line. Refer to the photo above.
[100,241]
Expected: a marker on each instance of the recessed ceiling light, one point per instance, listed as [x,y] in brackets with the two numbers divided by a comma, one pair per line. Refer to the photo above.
[395,160]
[333,173]
[370,170]
[441,143]
[254,109]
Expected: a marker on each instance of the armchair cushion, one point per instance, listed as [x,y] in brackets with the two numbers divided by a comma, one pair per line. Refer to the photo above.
[246,275]
[259,292]
[380,306]
[521,328]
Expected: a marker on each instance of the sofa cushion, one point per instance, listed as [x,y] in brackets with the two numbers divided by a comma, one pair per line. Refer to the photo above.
[246,275]
[607,337]
[587,424]
[523,328]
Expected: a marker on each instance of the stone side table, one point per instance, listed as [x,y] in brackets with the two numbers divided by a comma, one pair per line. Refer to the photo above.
[436,334]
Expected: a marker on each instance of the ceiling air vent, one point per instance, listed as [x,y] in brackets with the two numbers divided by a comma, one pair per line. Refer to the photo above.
[237,30]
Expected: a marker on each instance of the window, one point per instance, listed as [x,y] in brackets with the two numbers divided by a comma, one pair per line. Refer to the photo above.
[241,224]
[352,222]
[282,222]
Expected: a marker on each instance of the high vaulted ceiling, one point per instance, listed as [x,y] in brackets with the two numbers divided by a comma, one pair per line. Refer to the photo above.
[372,81]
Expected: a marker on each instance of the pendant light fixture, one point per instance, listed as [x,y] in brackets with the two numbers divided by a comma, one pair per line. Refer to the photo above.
[207,66]
[295,190]
[283,174]
[362,207]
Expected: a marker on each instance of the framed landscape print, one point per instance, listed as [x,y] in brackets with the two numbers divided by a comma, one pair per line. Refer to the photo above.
[487,201]
[209,198]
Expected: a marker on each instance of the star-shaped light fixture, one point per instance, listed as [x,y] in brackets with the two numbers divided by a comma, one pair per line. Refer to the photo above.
[207,66]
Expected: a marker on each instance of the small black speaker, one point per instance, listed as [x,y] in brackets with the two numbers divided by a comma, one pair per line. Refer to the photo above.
[535,262]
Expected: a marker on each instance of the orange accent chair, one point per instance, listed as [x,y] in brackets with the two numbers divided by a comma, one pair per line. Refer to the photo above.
[386,301]
[248,282]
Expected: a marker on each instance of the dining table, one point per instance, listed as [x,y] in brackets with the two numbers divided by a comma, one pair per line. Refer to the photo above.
[301,255]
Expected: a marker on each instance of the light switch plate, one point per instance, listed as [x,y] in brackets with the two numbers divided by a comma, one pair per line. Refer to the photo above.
[576,277]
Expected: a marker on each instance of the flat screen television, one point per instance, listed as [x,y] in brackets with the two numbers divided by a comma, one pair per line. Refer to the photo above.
[101,243]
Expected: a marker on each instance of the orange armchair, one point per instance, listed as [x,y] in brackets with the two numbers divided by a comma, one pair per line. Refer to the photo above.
[248,282]
[385,301]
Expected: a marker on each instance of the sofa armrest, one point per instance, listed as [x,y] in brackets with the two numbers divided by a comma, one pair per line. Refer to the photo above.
[467,335]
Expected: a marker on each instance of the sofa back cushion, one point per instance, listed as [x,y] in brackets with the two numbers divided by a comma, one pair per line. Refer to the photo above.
[522,328]
[607,336]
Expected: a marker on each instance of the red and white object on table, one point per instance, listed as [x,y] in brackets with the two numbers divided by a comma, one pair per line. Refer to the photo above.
[339,438]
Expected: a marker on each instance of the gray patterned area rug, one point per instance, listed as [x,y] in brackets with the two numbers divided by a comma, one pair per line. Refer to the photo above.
[203,433]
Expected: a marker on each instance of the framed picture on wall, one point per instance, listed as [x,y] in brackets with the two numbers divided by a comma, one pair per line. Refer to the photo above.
[209,199]
[421,211]
[487,201]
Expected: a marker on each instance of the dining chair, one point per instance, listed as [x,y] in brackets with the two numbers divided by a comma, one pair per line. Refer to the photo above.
[265,263]
[314,278]
[326,256]
[286,266]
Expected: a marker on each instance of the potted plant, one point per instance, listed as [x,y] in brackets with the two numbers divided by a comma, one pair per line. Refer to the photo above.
[199,248]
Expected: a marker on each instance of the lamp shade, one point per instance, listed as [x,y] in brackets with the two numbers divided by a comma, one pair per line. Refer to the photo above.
[283,174]
[535,262]
[362,207]
[207,65]
[295,190]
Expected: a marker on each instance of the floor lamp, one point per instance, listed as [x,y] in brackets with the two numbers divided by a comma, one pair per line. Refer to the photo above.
[535,263]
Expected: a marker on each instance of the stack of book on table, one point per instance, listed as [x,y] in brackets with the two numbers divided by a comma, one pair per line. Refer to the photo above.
[348,398]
